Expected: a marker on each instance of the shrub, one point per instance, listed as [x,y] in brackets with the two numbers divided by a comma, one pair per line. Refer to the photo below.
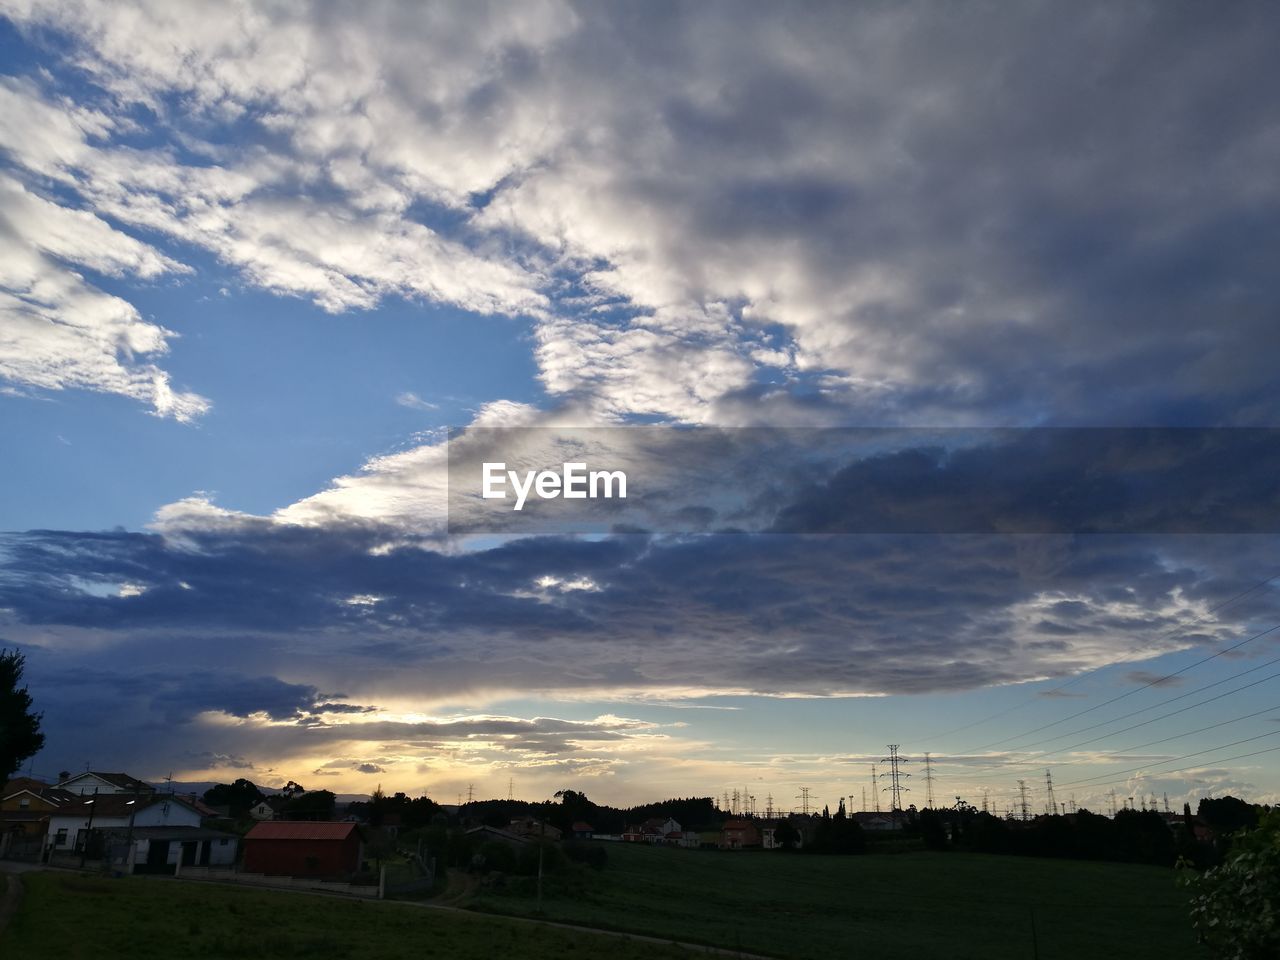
[1236,907]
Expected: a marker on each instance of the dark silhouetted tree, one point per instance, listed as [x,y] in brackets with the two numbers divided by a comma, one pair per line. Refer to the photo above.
[20,735]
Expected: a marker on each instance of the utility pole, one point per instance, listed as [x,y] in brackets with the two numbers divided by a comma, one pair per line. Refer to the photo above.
[803,797]
[1048,786]
[1022,795]
[875,789]
[928,782]
[896,777]
[88,830]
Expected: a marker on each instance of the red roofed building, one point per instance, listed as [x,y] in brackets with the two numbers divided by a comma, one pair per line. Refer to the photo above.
[286,848]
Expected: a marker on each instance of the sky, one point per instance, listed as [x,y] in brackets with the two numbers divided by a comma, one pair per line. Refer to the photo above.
[257,260]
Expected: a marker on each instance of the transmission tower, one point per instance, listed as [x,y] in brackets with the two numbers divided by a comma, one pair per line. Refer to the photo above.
[896,777]
[875,790]
[986,800]
[471,792]
[1048,786]
[1166,803]
[1022,797]
[768,806]
[511,788]
[803,797]
[1113,804]
[928,782]
[864,800]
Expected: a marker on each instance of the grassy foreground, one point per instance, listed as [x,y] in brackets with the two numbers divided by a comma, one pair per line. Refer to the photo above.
[884,907]
[146,918]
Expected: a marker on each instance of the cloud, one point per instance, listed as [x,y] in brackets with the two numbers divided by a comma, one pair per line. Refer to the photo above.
[58,330]
[837,213]
[666,618]
[415,402]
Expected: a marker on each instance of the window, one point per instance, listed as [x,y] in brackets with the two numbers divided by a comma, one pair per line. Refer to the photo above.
[60,840]
[222,843]
[24,803]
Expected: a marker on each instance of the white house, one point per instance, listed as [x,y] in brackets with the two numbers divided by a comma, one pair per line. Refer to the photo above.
[70,824]
[167,849]
[92,782]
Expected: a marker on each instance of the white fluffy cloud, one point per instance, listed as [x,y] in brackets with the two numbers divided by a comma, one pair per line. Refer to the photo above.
[973,215]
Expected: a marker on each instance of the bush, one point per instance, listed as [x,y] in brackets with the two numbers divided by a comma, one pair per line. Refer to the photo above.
[1236,907]
[495,855]
[592,854]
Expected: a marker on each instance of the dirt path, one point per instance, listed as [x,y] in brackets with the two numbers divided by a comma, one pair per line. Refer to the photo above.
[10,899]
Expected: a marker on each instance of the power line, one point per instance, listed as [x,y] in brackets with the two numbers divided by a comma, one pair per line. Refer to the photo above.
[1135,726]
[1185,756]
[1129,693]
[1181,628]
[1179,736]
[1242,756]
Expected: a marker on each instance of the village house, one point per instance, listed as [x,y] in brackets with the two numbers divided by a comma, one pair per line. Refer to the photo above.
[267,809]
[92,782]
[654,830]
[738,834]
[581,830]
[533,829]
[71,824]
[25,808]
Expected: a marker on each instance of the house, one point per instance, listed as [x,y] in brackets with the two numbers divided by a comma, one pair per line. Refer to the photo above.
[71,825]
[25,806]
[874,821]
[581,830]
[689,839]
[303,848]
[267,809]
[737,834]
[654,830]
[164,849]
[92,782]
[483,833]
[533,829]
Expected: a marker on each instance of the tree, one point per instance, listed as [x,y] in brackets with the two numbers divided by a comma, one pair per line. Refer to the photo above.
[1236,904]
[20,735]
[240,796]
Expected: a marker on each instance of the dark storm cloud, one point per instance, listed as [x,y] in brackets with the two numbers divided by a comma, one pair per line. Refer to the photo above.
[771,613]
[1006,481]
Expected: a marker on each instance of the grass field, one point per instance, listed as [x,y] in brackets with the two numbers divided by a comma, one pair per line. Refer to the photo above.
[145,918]
[883,907]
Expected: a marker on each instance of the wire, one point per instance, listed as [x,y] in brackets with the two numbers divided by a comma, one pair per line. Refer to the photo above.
[1084,743]
[1076,679]
[1129,693]
[1242,756]
[1160,763]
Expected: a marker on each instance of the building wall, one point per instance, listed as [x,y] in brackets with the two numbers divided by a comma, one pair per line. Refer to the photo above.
[302,858]
[155,815]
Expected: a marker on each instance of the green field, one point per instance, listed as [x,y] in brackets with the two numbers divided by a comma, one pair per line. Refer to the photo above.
[145,918]
[794,906]
[883,907]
